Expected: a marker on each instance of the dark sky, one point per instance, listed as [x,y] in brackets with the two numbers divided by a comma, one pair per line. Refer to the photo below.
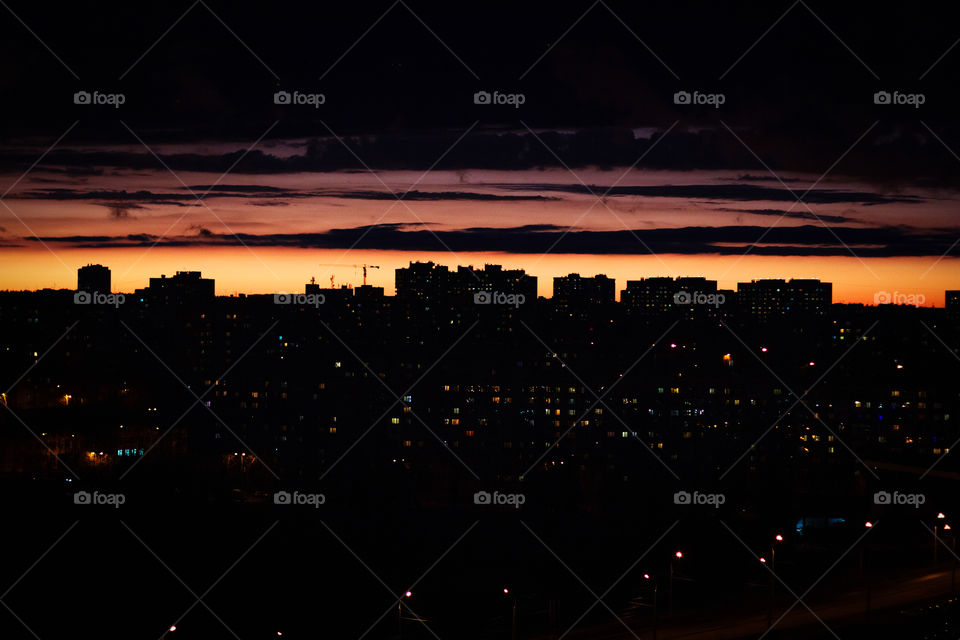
[803,82]
[200,154]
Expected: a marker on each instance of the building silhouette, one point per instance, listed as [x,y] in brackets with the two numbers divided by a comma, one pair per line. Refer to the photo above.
[426,281]
[658,296]
[184,287]
[575,290]
[93,278]
[774,297]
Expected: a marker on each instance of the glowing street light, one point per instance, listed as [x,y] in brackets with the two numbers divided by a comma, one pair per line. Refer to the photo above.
[773,566]
[406,594]
[940,516]
[678,555]
[656,610]
[513,614]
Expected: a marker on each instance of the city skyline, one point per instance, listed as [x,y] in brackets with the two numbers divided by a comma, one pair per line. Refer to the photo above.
[727,225]
[381,277]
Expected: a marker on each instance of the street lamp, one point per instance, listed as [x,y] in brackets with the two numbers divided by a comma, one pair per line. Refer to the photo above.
[679,556]
[936,525]
[953,561]
[864,559]
[513,616]
[773,567]
[656,613]
[172,628]
[406,594]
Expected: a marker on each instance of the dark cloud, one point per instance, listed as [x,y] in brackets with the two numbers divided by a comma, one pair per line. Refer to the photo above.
[435,196]
[254,192]
[121,211]
[735,192]
[203,232]
[747,177]
[879,158]
[798,214]
[120,198]
[536,239]
[242,188]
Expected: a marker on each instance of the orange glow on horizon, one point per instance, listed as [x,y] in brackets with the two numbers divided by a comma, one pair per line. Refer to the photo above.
[269,270]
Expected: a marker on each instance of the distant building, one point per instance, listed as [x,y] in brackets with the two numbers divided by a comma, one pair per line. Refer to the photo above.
[494,278]
[368,292]
[342,294]
[93,278]
[649,296]
[767,298]
[422,281]
[574,290]
[686,295]
[426,281]
[185,286]
[953,304]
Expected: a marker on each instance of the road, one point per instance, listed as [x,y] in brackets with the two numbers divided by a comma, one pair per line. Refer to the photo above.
[846,606]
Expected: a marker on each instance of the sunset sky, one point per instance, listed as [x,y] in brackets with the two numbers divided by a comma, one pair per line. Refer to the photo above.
[799,173]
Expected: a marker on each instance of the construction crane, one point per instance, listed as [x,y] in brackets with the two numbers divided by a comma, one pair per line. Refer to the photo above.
[355,266]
